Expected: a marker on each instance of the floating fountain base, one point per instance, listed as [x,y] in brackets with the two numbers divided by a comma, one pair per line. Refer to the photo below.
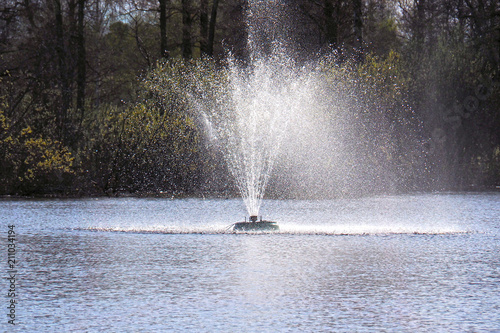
[255,225]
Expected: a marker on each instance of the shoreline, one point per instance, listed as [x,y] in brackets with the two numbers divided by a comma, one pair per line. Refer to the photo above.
[214,195]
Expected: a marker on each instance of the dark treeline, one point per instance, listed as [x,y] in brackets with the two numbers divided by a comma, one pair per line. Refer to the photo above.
[79,114]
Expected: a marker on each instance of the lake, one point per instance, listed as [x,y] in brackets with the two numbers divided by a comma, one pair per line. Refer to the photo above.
[409,263]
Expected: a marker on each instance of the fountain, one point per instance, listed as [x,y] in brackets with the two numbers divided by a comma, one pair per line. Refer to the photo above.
[246,115]
[317,125]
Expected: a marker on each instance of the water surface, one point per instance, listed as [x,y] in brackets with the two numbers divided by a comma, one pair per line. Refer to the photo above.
[396,263]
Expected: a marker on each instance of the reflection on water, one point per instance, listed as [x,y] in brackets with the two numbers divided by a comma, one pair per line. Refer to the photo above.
[378,276]
[288,228]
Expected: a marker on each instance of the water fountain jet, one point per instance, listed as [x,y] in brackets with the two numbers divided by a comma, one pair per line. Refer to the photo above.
[247,108]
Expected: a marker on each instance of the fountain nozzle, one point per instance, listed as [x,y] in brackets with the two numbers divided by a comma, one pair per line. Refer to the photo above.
[254,225]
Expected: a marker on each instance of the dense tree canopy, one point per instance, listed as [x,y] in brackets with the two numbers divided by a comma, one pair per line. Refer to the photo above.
[80,114]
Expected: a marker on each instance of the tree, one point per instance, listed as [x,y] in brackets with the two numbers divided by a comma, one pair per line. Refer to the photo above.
[31,164]
[163,29]
[204,27]
[187,21]
[81,61]
[381,30]
[336,25]
[211,28]
[64,73]
[358,29]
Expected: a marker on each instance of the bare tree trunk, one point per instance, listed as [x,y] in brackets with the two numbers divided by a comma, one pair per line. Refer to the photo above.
[71,16]
[330,14]
[358,30]
[81,57]
[186,29]
[29,13]
[211,28]
[203,26]
[163,29]
[419,24]
[461,19]
[140,44]
[63,71]
[96,56]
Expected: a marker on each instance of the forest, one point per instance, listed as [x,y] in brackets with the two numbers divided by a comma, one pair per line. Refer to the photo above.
[80,114]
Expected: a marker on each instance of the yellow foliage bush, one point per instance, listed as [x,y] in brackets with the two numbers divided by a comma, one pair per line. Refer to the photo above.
[30,162]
